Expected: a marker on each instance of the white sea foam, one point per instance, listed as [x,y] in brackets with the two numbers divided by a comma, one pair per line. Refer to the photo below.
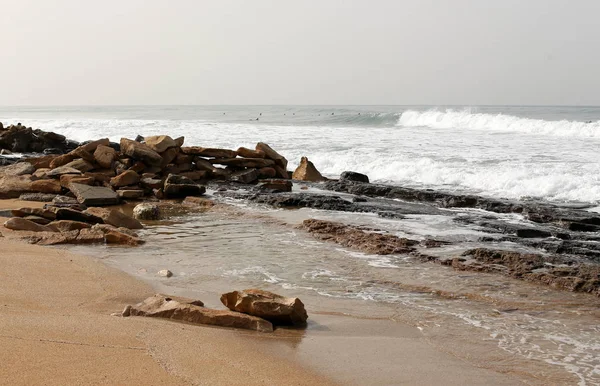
[465,119]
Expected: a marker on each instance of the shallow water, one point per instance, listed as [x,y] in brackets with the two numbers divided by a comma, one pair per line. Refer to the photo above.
[508,323]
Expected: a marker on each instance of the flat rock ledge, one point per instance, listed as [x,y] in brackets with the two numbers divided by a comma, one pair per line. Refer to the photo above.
[191,311]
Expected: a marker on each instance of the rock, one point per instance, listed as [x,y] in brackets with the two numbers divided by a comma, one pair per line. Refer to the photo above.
[178,186]
[59,171]
[198,201]
[209,152]
[67,225]
[139,138]
[126,311]
[140,152]
[170,155]
[41,162]
[80,152]
[128,177]
[179,141]
[247,176]
[195,175]
[249,153]
[306,171]
[38,220]
[67,179]
[21,139]
[130,194]
[81,165]
[59,200]
[165,273]
[221,174]
[275,186]
[105,156]
[275,308]
[89,236]
[267,172]
[202,164]
[160,143]
[147,211]
[44,213]
[532,233]
[46,186]
[40,174]
[38,197]
[121,238]
[18,169]
[364,240]
[272,154]
[92,146]
[151,183]
[61,160]
[181,158]
[138,167]
[21,224]
[243,162]
[115,218]
[75,215]
[52,238]
[353,176]
[94,195]
[170,308]
[14,186]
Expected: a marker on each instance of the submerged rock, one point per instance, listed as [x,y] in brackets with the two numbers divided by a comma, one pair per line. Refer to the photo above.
[277,309]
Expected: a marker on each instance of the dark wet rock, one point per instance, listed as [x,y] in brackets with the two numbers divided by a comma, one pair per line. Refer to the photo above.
[247,176]
[21,139]
[307,171]
[275,186]
[354,176]
[176,186]
[362,239]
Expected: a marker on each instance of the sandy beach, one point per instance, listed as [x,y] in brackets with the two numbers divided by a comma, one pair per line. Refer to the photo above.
[57,329]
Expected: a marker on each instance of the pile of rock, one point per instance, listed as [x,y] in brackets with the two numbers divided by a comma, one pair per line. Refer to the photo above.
[100,173]
[251,309]
[21,139]
[71,225]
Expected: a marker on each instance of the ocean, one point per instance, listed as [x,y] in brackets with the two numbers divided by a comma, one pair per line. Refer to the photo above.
[501,151]
[518,152]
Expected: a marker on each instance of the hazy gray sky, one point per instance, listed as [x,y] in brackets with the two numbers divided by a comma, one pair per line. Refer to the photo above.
[77,52]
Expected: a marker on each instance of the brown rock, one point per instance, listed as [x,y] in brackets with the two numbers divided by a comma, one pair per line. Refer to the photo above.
[80,152]
[221,174]
[147,211]
[53,238]
[61,160]
[116,237]
[306,171]
[281,172]
[37,220]
[151,183]
[46,186]
[243,162]
[202,164]
[101,176]
[23,212]
[41,162]
[249,153]
[40,174]
[160,143]
[13,186]
[67,225]
[169,308]
[59,171]
[178,186]
[76,215]
[179,141]
[140,152]
[21,224]
[169,155]
[199,201]
[272,154]
[209,152]
[114,218]
[106,228]
[267,305]
[130,194]
[81,165]
[91,147]
[138,167]
[38,197]
[128,177]
[267,172]
[66,179]
[182,159]
[276,185]
[89,236]
[195,175]
[247,176]
[94,195]
[105,156]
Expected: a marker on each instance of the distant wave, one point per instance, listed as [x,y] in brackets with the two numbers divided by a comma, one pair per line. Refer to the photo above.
[465,119]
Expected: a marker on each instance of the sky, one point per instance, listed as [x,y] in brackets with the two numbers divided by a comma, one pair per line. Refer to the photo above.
[434,52]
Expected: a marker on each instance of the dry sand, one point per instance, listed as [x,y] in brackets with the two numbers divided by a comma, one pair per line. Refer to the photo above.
[56,329]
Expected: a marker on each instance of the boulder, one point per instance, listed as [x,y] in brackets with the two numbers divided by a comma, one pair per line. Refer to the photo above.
[179,141]
[80,164]
[146,211]
[178,187]
[40,174]
[106,228]
[272,154]
[164,273]
[354,176]
[75,215]
[172,308]
[138,167]
[94,195]
[18,169]
[181,158]
[41,162]
[243,162]
[306,171]
[46,186]
[44,213]
[247,176]
[249,153]
[195,175]
[275,308]
[21,224]
[68,225]
[59,171]
[140,152]
[114,218]
[209,152]
[160,143]
[105,156]
[61,160]
[128,177]
[92,146]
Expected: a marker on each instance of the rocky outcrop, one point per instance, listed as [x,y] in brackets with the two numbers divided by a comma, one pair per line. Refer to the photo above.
[307,171]
[21,139]
[161,306]
[140,152]
[277,309]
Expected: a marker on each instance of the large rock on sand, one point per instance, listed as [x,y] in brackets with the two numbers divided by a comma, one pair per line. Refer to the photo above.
[140,152]
[267,305]
[307,171]
[161,306]
[94,195]
[115,218]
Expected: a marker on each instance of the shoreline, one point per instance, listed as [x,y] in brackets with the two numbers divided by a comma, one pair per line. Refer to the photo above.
[63,337]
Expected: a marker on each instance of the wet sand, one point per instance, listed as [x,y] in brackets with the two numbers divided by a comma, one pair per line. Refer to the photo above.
[56,328]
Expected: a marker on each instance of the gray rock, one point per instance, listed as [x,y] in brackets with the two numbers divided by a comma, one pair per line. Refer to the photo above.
[38,197]
[147,211]
[354,176]
[18,169]
[94,195]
